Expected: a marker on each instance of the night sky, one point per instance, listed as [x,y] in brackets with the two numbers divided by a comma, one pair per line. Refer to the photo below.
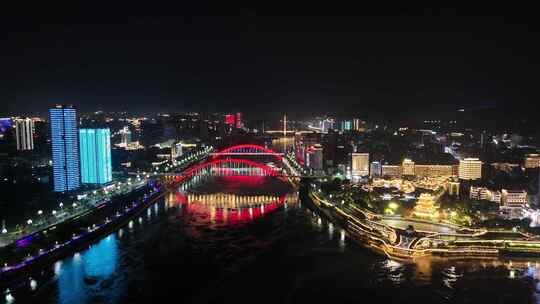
[255,59]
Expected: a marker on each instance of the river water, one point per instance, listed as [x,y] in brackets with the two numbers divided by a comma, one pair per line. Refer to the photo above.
[189,249]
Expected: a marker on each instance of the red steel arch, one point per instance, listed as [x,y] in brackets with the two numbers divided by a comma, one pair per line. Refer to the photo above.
[193,170]
[248,146]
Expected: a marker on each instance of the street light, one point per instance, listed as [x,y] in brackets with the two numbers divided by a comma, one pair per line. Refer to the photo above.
[40,213]
[61,205]
[74,205]
[54,212]
[29,222]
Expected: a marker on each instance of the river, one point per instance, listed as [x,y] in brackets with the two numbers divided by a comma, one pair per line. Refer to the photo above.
[188,250]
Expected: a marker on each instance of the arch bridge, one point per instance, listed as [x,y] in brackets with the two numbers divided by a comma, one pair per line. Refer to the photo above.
[229,167]
[247,150]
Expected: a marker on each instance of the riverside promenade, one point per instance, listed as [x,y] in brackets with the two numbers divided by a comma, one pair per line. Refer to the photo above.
[393,237]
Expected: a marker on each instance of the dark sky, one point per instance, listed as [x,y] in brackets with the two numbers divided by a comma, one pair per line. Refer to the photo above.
[262,59]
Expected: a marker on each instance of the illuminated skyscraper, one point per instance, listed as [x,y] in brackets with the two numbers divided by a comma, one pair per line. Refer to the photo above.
[95,147]
[65,150]
[360,164]
[25,134]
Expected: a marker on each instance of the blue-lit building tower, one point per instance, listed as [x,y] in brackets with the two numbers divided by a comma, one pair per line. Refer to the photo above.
[95,150]
[65,149]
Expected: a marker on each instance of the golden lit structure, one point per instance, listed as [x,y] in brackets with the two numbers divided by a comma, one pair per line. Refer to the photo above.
[453,188]
[360,164]
[391,171]
[425,206]
[514,198]
[435,170]
[407,167]
[532,161]
[470,169]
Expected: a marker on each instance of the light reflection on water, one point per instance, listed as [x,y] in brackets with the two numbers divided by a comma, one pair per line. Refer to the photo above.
[96,264]
[103,272]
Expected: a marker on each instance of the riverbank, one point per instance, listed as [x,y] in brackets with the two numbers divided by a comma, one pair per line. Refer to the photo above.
[403,244]
[32,253]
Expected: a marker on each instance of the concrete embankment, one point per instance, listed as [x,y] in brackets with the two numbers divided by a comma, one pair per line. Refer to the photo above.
[78,239]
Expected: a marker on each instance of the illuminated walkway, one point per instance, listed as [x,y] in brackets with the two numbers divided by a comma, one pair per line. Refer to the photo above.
[391,237]
[403,223]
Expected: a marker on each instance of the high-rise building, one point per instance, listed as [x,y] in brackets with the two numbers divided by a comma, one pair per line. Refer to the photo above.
[314,157]
[302,142]
[95,147]
[238,120]
[65,148]
[407,167]
[514,198]
[391,170]
[532,161]
[326,124]
[5,125]
[176,150]
[230,120]
[126,136]
[346,125]
[356,123]
[483,193]
[453,188]
[375,169]
[434,170]
[470,169]
[25,134]
[360,164]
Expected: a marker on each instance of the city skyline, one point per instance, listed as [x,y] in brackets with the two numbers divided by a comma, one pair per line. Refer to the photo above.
[194,152]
